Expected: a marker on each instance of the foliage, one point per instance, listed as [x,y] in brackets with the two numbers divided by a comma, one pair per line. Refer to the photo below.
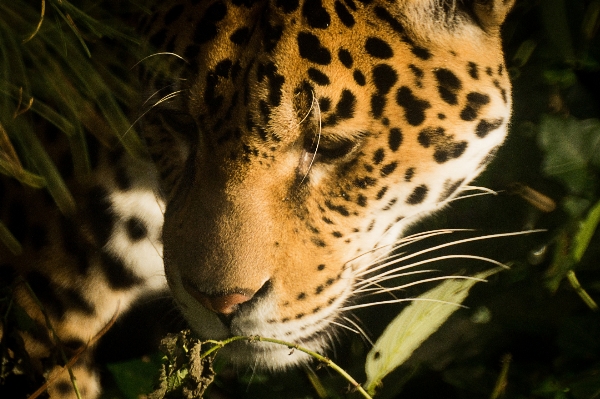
[415,324]
[531,333]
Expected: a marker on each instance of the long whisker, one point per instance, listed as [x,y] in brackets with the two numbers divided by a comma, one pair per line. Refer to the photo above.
[162,100]
[361,286]
[366,305]
[479,188]
[155,93]
[462,197]
[390,273]
[403,242]
[316,107]
[161,53]
[362,332]
[427,280]
[449,244]
[345,327]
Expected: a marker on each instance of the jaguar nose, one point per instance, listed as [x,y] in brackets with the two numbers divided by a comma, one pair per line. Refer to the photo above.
[221,304]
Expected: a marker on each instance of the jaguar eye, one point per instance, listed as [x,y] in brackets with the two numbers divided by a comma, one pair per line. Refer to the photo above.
[330,150]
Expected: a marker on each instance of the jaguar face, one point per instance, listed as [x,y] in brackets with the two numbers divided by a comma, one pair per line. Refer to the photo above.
[303,138]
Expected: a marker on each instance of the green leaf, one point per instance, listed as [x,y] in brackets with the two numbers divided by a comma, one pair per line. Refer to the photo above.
[415,324]
[135,377]
[572,150]
[9,240]
[586,231]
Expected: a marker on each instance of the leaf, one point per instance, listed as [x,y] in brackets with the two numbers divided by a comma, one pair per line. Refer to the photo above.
[415,324]
[135,377]
[572,148]
[586,230]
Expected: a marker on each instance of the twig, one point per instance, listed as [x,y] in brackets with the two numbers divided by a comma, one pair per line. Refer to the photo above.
[325,360]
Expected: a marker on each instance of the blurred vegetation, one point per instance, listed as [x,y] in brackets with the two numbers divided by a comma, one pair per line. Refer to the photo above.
[532,332]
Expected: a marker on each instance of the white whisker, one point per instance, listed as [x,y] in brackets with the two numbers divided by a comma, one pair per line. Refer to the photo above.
[316,107]
[362,332]
[365,305]
[462,197]
[162,100]
[402,242]
[155,93]
[390,273]
[449,244]
[428,280]
[479,188]
[376,280]
[345,327]
[161,53]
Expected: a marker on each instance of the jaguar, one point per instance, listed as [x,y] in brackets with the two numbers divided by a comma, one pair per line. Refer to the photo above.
[290,144]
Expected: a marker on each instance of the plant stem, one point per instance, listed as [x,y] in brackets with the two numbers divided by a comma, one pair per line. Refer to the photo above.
[323,359]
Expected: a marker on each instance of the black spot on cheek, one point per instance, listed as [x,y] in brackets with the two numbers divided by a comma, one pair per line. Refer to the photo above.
[414,107]
[421,52]
[324,104]
[418,195]
[240,36]
[473,70]
[450,188]
[378,156]
[484,127]
[364,182]
[316,15]
[272,35]
[389,168]
[448,85]
[474,103]
[378,102]
[318,77]
[378,48]
[384,78]
[359,78]
[395,139]
[345,58]
[442,155]
[385,16]
[206,28]
[381,192]
[361,201]
[344,15]
[311,49]
[337,208]
[409,174]
[345,107]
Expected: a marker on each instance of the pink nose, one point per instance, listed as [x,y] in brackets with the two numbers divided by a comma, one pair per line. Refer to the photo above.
[221,304]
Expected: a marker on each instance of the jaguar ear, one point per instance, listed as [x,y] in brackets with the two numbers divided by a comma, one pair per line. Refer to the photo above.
[491,13]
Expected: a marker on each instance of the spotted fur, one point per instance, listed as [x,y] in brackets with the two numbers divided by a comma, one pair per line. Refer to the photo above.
[291,143]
